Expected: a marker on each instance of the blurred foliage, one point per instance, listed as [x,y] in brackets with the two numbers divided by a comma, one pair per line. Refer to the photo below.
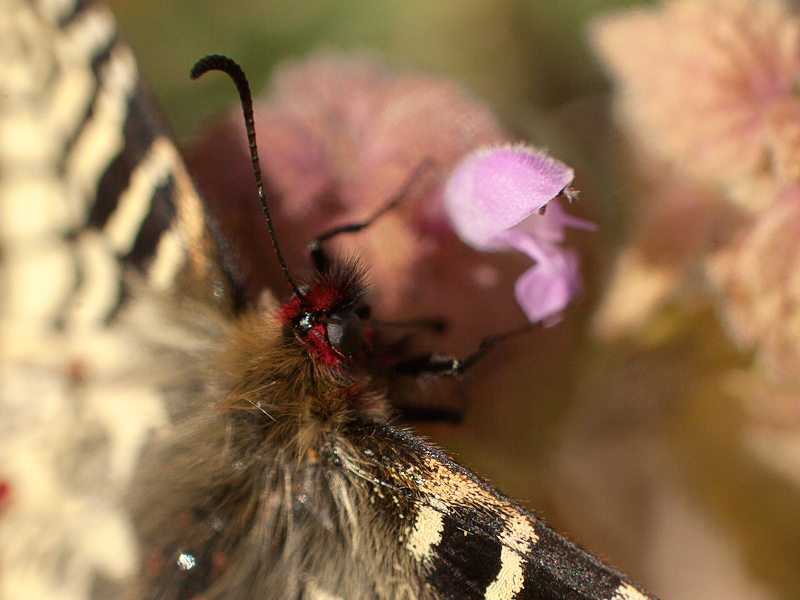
[521,56]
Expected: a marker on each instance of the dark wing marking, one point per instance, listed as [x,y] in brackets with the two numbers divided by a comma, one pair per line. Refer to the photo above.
[82,143]
[471,541]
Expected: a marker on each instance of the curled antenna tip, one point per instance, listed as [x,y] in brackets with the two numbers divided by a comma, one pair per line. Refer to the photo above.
[217,62]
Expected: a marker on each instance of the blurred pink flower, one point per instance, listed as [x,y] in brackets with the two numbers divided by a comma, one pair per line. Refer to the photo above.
[351,126]
[493,199]
[710,89]
[708,84]
[759,282]
[679,223]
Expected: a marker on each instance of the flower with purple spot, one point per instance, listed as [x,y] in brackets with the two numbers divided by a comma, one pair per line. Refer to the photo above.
[495,199]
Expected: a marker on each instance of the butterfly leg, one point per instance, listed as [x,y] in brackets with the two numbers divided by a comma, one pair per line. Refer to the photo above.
[433,325]
[411,410]
[450,365]
[322,261]
[431,414]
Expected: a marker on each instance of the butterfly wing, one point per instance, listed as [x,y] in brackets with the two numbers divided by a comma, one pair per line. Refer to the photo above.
[102,240]
[376,513]
[467,539]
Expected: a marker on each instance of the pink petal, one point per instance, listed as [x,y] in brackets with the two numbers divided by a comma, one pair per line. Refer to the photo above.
[550,226]
[546,288]
[492,190]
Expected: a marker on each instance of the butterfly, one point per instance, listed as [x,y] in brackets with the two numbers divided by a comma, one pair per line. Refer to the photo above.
[164,439]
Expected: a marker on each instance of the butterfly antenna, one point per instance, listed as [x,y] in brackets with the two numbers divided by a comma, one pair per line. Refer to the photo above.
[217,62]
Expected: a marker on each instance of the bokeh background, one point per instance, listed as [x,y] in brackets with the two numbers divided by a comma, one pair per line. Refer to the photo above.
[633,444]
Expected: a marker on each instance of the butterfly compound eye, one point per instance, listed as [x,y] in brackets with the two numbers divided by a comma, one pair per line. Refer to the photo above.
[345,332]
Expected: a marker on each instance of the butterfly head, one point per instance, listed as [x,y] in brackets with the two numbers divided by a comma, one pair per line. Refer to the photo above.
[328,319]
[325,316]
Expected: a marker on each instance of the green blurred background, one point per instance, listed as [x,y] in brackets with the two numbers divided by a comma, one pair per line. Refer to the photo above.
[523,57]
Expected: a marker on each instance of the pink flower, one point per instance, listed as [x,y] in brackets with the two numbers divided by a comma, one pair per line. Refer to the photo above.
[756,277]
[721,108]
[493,199]
[708,85]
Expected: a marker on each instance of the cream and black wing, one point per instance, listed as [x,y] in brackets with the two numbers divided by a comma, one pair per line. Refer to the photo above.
[465,540]
[110,283]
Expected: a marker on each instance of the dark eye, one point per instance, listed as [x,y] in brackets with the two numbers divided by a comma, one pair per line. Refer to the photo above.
[345,332]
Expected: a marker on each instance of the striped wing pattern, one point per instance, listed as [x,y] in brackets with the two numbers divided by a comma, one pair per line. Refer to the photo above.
[471,542]
[92,243]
